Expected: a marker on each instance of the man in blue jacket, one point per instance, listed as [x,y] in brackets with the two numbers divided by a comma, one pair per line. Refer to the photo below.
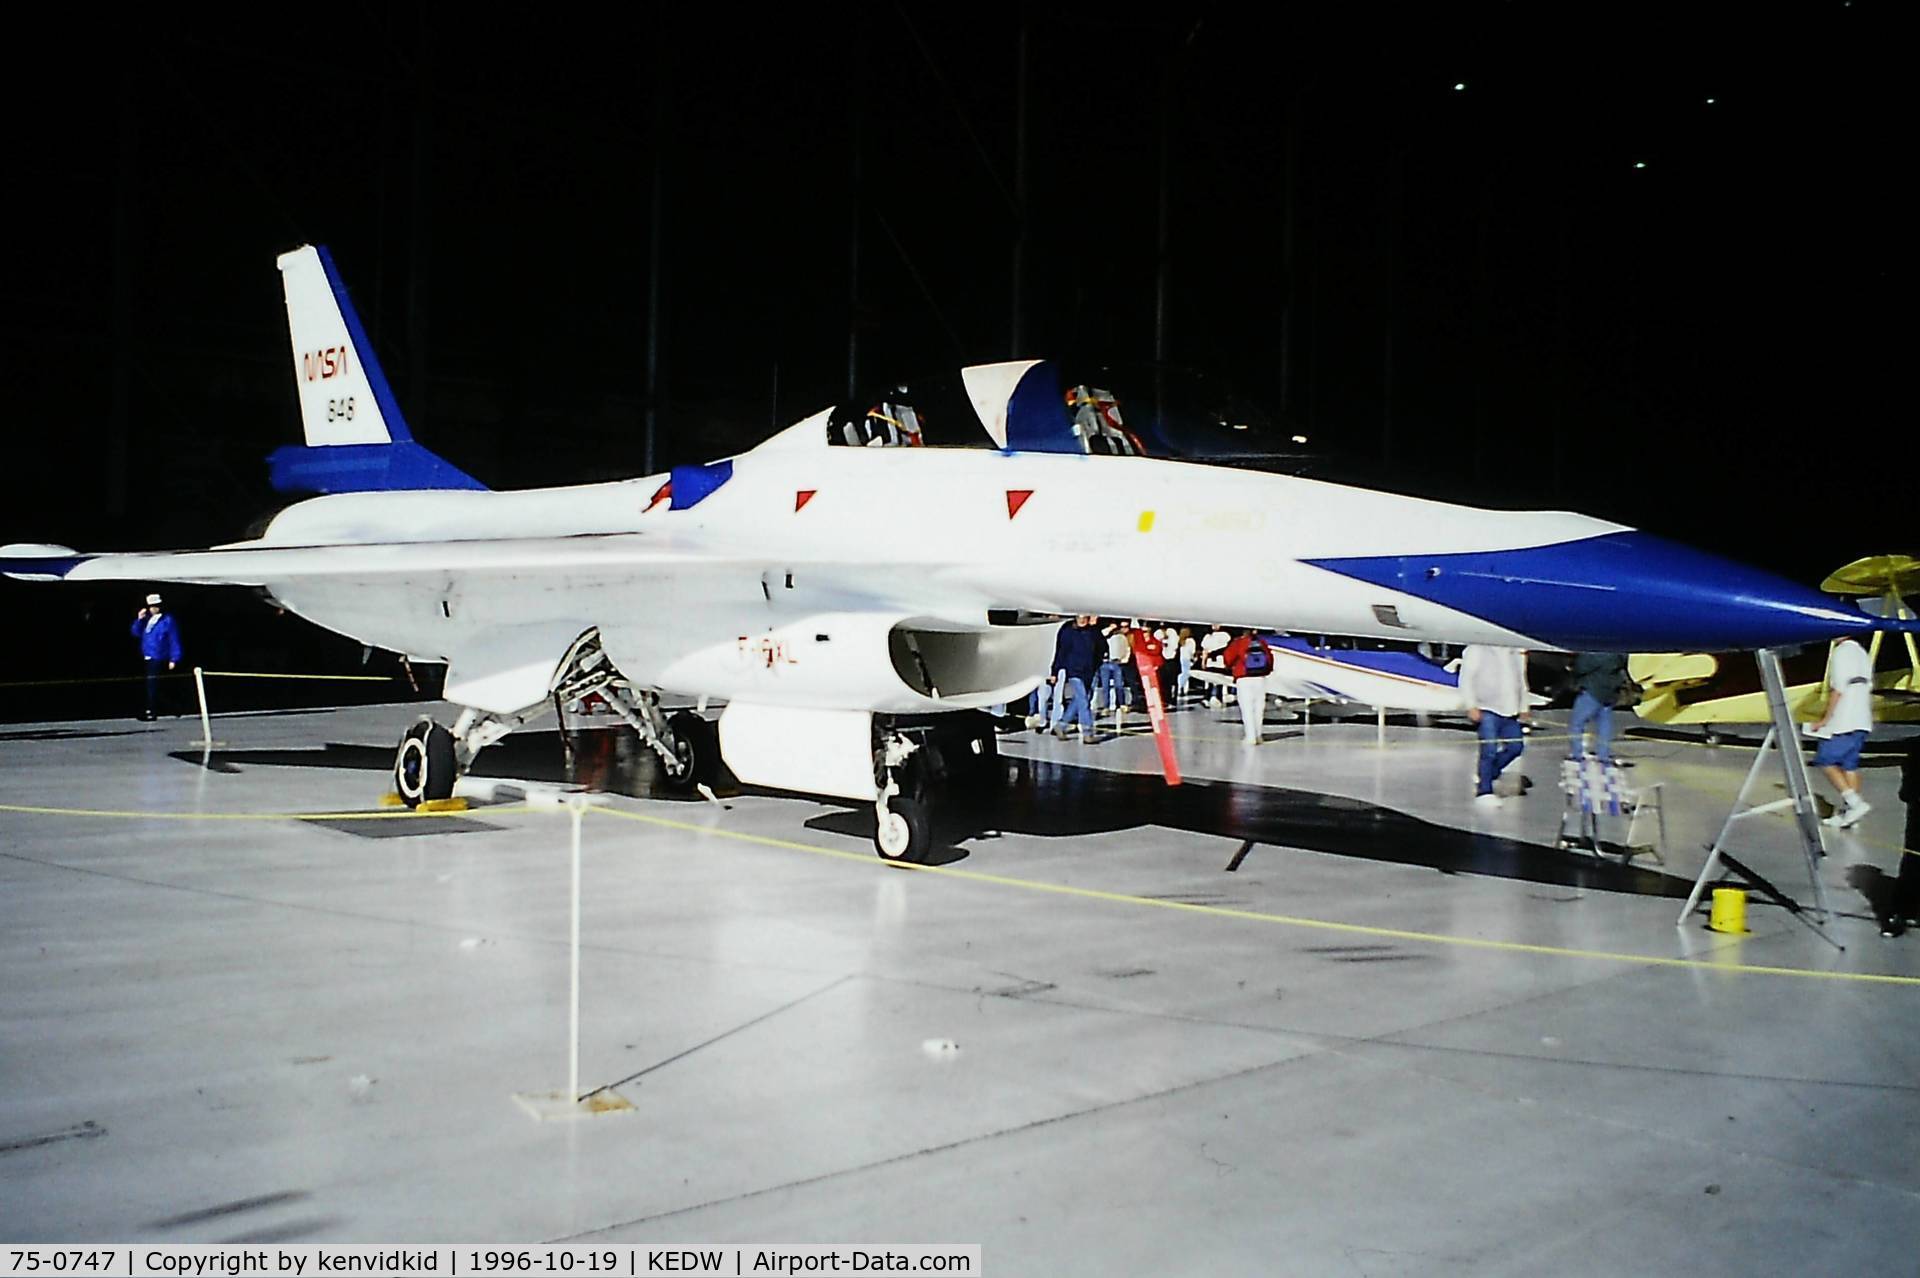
[159,640]
[1076,655]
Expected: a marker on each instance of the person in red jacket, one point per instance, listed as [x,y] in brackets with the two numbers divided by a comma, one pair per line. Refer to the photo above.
[1250,661]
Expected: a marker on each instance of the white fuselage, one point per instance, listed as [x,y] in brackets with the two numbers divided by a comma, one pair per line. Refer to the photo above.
[889,535]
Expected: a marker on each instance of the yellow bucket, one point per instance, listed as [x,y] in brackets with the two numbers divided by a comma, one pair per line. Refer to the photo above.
[1729,911]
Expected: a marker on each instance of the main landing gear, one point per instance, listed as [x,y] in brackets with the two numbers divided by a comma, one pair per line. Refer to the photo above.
[431,757]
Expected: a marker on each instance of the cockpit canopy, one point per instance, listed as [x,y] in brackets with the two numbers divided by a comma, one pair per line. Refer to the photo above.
[1151,411]
[890,422]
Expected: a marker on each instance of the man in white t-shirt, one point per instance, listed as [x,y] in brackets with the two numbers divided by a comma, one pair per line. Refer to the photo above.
[1843,728]
[1493,690]
[1169,662]
[1213,649]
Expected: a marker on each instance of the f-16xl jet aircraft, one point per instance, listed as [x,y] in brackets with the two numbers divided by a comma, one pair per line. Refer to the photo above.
[851,590]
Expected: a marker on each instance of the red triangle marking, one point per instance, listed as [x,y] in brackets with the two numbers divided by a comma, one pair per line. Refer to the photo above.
[1016,498]
[802,497]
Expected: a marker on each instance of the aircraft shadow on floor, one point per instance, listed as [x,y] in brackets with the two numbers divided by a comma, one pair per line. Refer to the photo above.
[1051,800]
[610,762]
[1060,800]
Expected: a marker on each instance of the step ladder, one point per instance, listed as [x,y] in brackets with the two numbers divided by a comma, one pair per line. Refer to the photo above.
[1784,737]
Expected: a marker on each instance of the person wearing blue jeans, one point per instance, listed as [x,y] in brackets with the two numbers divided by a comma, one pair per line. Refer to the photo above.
[1110,683]
[1045,706]
[1501,743]
[1493,688]
[1599,676]
[1076,655]
[1074,701]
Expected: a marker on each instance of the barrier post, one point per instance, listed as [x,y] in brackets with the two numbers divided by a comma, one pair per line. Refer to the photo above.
[573,992]
[572,1103]
[206,741]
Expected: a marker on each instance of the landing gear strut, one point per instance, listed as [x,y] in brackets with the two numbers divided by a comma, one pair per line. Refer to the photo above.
[903,814]
[431,758]
[688,745]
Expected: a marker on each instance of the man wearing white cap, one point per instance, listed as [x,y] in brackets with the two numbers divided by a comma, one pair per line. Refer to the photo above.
[159,640]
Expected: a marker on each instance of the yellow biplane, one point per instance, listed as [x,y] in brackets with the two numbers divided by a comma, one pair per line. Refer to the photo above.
[1703,688]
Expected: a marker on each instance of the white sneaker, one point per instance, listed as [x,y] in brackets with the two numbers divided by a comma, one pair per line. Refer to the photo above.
[1488,801]
[1852,815]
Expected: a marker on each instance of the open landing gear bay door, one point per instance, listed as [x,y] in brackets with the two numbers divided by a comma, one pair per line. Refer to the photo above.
[508,669]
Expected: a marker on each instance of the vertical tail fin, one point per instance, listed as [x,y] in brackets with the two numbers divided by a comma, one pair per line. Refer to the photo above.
[344,397]
[357,440]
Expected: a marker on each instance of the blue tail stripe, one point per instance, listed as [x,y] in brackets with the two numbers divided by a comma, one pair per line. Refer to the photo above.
[376,376]
[364,468]
[359,468]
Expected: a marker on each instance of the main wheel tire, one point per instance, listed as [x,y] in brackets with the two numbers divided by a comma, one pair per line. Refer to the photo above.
[696,743]
[903,830]
[424,767]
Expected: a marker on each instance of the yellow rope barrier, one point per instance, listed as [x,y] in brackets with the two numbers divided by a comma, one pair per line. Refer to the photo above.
[394,814]
[249,674]
[188,674]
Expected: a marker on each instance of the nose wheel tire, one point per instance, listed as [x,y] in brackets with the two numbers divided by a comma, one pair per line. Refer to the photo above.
[424,768]
[903,830]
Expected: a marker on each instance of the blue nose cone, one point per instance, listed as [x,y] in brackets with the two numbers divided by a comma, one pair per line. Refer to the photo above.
[1623,592]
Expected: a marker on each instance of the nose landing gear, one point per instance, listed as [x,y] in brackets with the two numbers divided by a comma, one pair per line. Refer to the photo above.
[916,758]
[903,816]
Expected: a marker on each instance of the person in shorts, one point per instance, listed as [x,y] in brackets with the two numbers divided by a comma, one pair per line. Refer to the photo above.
[1843,729]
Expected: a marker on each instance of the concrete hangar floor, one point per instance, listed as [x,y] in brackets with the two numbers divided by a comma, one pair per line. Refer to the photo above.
[1312,1013]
